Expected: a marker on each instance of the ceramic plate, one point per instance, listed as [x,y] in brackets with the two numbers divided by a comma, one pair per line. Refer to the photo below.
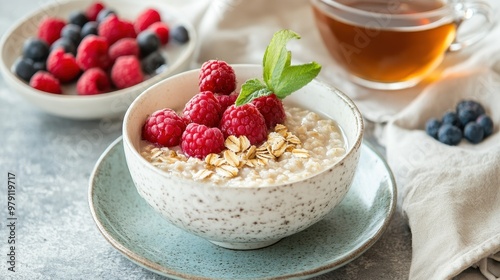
[112,104]
[134,229]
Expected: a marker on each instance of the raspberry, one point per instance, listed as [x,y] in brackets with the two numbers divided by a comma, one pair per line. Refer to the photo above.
[93,52]
[226,100]
[122,47]
[50,28]
[45,81]
[271,108]
[93,10]
[162,31]
[113,29]
[203,108]
[199,140]
[145,19]
[128,29]
[218,77]
[93,81]
[62,65]
[244,120]
[126,72]
[164,128]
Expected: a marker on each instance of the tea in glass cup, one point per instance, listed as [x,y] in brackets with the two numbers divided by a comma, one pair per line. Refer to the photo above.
[393,44]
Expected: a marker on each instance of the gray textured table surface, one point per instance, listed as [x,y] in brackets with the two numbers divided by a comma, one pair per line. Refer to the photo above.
[56,237]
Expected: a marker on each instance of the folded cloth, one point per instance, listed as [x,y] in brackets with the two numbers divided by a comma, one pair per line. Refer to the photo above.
[450,194]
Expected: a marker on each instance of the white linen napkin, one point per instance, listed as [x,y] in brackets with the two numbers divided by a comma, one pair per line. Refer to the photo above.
[450,194]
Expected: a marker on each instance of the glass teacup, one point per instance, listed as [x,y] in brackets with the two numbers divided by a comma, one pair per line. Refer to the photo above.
[395,44]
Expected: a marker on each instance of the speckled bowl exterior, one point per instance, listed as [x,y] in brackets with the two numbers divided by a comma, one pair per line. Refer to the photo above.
[242,217]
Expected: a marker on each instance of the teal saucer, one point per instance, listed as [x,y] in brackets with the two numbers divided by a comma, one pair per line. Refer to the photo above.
[134,229]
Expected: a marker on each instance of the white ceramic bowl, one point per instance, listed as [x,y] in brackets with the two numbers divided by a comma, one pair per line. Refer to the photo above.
[112,104]
[242,217]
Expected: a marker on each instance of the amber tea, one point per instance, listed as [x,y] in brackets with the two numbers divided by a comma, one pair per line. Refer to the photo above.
[386,41]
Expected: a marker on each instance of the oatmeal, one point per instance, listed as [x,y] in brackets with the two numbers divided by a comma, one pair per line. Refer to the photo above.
[305,145]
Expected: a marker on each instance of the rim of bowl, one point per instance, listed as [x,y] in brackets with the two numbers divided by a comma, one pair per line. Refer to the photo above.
[8,74]
[137,156]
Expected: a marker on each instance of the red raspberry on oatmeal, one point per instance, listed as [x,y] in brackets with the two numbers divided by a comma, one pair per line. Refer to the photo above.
[272,109]
[203,108]
[199,140]
[217,76]
[164,128]
[226,100]
[244,120]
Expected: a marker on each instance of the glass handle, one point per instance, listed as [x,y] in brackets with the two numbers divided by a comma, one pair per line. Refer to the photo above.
[467,10]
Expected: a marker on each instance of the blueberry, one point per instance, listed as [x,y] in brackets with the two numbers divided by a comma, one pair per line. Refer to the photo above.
[474,132]
[39,66]
[180,34]
[470,105]
[449,134]
[66,44]
[487,124]
[148,42]
[152,62]
[72,32]
[77,17]
[467,115]
[104,13]
[90,28]
[469,110]
[451,118]
[35,49]
[24,69]
[432,127]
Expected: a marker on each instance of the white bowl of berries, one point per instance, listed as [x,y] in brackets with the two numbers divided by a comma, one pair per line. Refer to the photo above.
[222,154]
[90,60]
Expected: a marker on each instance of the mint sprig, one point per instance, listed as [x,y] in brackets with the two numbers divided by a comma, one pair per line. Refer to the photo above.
[280,77]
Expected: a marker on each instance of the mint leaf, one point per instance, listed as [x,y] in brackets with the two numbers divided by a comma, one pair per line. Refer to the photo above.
[276,57]
[295,77]
[250,90]
[280,77]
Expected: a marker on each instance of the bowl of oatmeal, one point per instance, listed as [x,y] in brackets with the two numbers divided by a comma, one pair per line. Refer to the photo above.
[248,196]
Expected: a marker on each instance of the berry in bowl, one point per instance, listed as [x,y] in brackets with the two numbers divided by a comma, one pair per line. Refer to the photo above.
[225,156]
[90,60]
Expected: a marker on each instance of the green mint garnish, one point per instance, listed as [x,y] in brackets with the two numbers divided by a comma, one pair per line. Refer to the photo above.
[280,77]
